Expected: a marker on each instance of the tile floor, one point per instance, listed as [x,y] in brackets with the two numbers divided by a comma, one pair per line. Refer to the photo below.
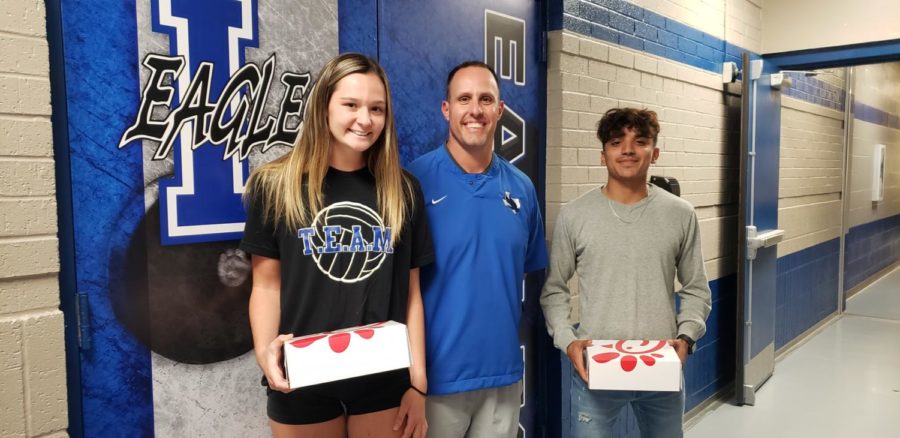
[842,382]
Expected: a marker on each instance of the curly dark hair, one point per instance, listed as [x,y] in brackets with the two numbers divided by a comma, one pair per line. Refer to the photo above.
[617,120]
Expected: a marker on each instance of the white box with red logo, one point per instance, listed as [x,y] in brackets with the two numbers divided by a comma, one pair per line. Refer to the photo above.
[346,353]
[633,365]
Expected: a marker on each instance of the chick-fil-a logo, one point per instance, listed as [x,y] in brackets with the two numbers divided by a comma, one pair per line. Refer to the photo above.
[338,341]
[630,351]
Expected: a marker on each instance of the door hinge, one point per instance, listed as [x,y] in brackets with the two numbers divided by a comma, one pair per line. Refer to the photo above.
[83,307]
[545,42]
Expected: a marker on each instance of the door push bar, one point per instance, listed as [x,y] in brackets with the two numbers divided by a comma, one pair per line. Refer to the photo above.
[764,239]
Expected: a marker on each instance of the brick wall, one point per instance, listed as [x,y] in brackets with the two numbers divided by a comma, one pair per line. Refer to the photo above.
[809,203]
[873,239]
[586,77]
[876,110]
[809,193]
[737,21]
[665,56]
[743,24]
[32,350]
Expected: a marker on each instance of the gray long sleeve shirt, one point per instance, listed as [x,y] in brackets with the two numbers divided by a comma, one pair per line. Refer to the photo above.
[626,258]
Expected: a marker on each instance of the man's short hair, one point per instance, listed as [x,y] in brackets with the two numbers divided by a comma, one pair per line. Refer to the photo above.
[617,120]
[472,63]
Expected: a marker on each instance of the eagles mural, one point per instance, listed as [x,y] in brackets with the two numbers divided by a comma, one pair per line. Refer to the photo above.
[168,106]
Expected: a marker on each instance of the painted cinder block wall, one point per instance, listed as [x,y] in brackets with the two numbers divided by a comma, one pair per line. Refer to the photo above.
[808,24]
[664,56]
[873,238]
[809,190]
[809,202]
[32,348]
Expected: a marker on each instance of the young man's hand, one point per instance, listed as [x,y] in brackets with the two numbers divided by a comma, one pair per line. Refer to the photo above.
[575,351]
[681,348]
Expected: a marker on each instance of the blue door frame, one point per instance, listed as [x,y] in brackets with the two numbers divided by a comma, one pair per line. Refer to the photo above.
[100,190]
[758,212]
[759,179]
[840,56]
[67,295]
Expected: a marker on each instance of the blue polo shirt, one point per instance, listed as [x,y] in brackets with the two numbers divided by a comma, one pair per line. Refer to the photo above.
[487,232]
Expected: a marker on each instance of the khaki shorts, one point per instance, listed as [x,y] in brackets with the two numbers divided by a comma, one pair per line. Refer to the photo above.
[485,413]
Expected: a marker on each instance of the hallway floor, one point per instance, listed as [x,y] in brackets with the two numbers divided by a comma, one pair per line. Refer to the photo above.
[842,382]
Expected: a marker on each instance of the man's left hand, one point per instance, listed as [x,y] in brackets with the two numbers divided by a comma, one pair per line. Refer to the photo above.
[681,348]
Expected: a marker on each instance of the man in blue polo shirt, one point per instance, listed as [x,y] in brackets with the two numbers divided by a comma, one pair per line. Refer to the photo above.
[487,232]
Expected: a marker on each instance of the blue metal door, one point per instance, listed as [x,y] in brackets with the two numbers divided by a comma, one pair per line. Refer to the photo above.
[758,219]
[167,105]
[418,43]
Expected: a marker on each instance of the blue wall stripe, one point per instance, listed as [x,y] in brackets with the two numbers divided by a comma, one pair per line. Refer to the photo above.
[870,248]
[816,91]
[807,289]
[711,367]
[874,115]
[631,26]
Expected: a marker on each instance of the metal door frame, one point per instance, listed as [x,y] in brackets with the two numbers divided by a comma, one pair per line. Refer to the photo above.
[65,222]
[757,256]
[841,56]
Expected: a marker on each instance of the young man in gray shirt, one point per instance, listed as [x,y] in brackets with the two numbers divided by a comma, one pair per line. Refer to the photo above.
[626,241]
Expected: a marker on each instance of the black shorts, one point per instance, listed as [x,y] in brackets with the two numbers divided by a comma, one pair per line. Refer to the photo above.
[327,401]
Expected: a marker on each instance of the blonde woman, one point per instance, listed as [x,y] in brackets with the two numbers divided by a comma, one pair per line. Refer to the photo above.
[337,234]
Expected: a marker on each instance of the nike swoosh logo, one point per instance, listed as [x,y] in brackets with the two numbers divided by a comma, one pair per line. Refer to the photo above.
[438,200]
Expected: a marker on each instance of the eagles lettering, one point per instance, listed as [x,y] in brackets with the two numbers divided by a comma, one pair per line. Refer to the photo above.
[235,119]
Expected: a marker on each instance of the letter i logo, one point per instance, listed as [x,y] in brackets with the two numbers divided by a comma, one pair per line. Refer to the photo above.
[202,202]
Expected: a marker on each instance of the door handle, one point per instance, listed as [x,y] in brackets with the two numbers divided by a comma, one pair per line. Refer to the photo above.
[764,239]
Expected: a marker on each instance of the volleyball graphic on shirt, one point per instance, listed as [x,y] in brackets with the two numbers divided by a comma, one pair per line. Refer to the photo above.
[347,240]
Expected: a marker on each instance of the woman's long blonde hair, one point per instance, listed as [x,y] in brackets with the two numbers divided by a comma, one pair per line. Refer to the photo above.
[280,183]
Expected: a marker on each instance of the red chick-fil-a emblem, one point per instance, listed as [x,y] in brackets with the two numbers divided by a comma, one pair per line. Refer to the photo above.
[338,341]
[630,354]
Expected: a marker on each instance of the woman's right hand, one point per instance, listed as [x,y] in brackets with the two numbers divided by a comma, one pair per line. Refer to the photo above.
[273,368]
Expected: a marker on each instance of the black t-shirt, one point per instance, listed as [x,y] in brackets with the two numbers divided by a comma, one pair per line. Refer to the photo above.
[340,271]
